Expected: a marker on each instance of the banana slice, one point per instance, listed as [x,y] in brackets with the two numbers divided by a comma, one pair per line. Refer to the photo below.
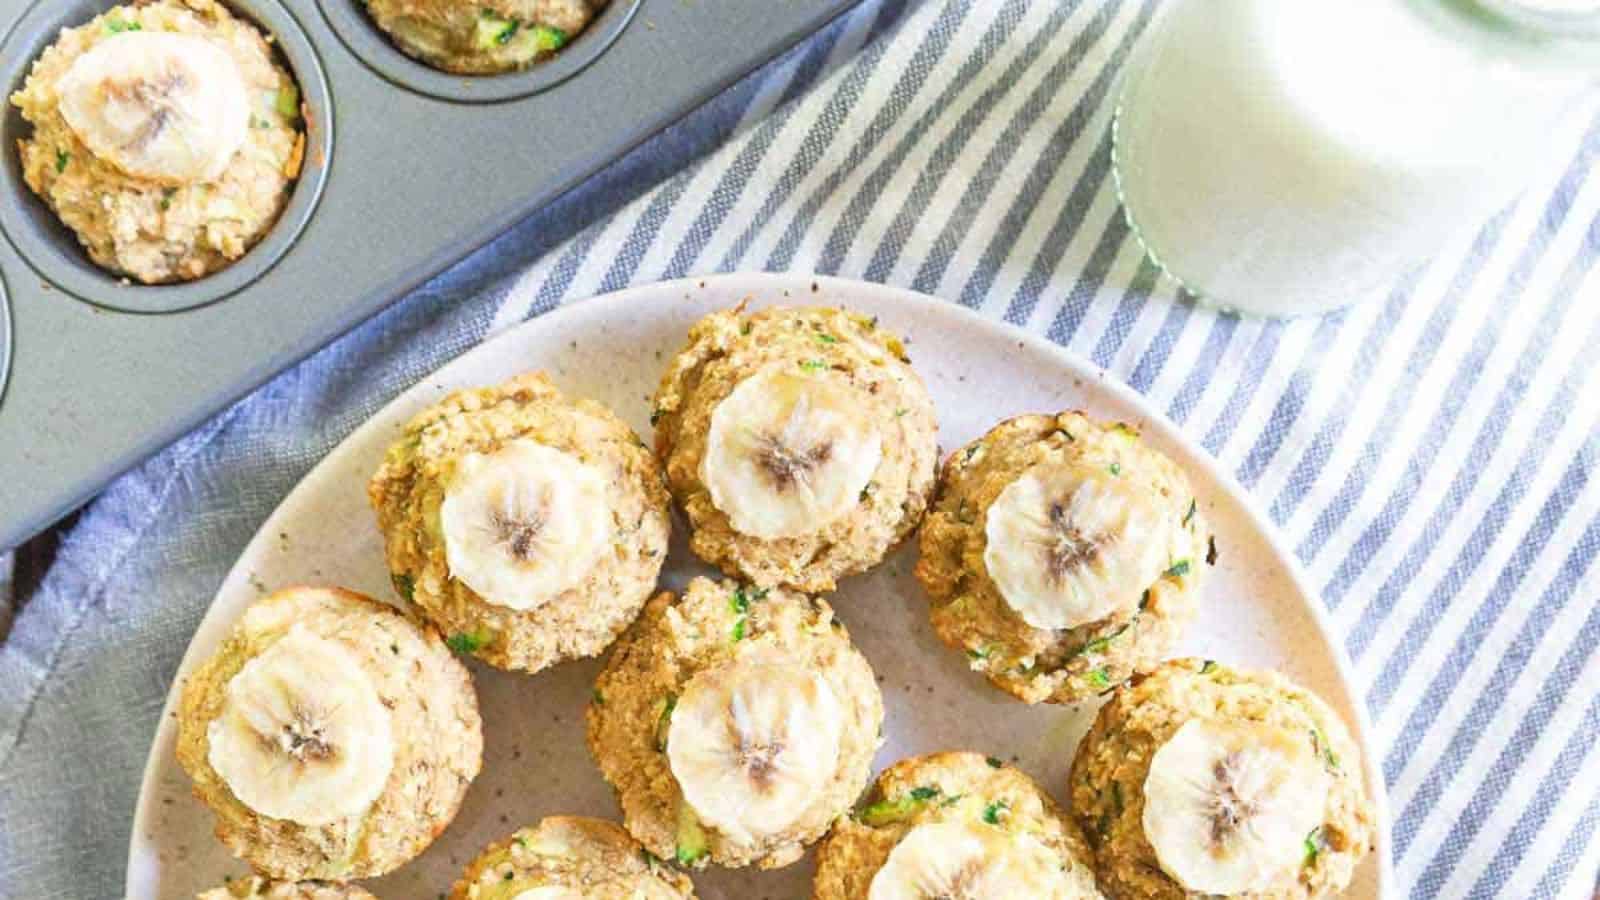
[1227,807]
[970,862]
[169,107]
[524,523]
[303,734]
[1068,544]
[788,452]
[752,743]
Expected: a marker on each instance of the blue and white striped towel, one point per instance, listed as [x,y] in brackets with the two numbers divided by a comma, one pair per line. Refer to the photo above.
[1431,456]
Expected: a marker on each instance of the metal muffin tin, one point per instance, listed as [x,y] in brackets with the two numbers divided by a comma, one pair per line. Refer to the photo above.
[407,170]
[5,339]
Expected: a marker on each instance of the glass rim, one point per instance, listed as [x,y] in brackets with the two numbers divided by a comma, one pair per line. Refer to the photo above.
[1535,32]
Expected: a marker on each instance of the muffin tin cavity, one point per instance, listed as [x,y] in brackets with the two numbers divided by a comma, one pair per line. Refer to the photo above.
[369,43]
[52,249]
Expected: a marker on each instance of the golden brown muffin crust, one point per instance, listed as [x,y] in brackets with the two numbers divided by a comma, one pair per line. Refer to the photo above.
[970,614]
[592,856]
[254,886]
[437,730]
[709,626]
[724,349]
[483,37]
[408,489]
[133,226]
[1106,784]
[943,787]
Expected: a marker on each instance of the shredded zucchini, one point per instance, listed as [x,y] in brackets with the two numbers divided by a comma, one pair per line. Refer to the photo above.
[667,706]
[494,30]
[548,38]
[469,641]
[691,843]
[287,102]
[885,811]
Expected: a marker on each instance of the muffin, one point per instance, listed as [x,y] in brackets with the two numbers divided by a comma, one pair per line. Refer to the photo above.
[799,442]
[736,723]
[483,37]
[1198,779]
[164,135]
[570,858]
[954,825]
[331,736]
[1062,555]
[255,886]
[528,526]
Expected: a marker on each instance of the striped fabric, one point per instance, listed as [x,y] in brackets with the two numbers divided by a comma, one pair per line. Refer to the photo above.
[1431,457]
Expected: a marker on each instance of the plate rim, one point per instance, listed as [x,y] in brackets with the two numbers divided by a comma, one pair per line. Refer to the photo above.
[787,285]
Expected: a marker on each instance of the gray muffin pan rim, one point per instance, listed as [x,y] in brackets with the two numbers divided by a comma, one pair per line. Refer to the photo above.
[5,337]
[54,252]
[377,51]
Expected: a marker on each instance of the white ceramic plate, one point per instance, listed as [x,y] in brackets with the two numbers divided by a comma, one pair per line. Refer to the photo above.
[1257,609]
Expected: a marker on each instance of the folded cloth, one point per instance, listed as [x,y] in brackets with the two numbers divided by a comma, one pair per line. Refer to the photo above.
[1429,456]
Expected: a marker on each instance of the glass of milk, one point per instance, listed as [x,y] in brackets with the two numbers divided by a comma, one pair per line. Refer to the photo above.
[1281,157]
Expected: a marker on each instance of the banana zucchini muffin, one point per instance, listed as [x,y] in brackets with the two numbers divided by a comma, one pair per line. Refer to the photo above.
[570,858]
[736,724]
[1202,780]
[954,825]
[331,736]
[799,442]
[483,37]
[255,886]
[527,525]
[1062,555]
[164,134]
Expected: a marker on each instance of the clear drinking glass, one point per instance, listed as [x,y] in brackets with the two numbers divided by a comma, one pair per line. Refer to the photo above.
[1281,157]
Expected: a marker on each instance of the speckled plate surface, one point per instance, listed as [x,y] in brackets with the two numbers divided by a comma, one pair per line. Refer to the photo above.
[1258,609]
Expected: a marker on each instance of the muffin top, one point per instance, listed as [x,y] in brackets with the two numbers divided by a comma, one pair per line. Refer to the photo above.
[332,737]
[570,858]
[1062,555]
[164,134]
[799,442]
[254,886]
[736,724]
[1199,779]
[954,824]
[528,526]
[483,37]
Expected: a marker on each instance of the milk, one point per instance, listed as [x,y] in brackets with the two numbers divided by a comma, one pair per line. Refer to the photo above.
[1282,157]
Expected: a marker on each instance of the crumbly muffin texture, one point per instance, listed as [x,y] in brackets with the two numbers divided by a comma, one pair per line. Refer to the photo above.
[591,857]
[970,614]
[1106,783]
[944,787]
[711,625]
[254,886]
[140,228]
[437,733]
[723,350]
[408,489]
[483,37]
